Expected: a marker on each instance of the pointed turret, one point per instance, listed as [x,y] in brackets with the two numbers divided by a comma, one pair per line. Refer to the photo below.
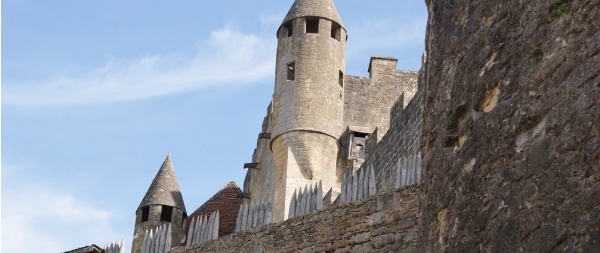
[162,205]
[164,189]
[313,8]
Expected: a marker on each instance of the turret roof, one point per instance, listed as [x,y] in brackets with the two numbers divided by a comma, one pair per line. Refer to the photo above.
[313,8]
[164,189]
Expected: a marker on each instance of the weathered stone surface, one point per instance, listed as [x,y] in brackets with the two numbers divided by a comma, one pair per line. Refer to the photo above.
[511,137]
[386,146]
[163,193]
[328,231]
[316,108]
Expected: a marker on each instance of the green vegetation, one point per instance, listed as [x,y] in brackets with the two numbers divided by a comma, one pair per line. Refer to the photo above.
[537,57]
[559,9]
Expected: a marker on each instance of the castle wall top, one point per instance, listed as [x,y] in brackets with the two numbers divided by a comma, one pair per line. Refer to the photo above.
[379,65]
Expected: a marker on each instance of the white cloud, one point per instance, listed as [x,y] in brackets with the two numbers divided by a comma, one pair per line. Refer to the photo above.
[38,219]
[228,57]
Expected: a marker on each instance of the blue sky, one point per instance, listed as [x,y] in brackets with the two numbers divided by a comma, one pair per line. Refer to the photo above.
[95,93]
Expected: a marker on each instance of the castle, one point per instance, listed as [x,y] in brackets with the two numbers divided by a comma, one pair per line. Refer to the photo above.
[316,128]
[505,117]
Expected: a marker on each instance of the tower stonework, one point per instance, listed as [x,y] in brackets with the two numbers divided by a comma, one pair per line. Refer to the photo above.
[162,204]
[307,111]
[320,119]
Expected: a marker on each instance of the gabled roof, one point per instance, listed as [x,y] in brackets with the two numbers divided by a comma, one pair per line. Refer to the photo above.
[313,8]
[164,189]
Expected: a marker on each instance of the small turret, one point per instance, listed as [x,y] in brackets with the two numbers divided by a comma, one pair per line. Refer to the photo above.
[162,204]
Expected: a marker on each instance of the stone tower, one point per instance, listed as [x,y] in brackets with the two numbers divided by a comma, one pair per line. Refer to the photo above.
[162,204]
[308,100]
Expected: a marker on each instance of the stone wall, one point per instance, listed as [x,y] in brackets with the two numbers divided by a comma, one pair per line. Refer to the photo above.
[259,182]
[382,223]
[367,101]
[512,127]
[402,139]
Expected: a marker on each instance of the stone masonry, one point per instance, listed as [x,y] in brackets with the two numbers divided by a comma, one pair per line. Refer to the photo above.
[383,223]
[384,148]
[511,137]
[319,117]
[505,114]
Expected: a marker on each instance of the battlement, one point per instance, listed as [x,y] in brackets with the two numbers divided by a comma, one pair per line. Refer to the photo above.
[384,223]
[380,66]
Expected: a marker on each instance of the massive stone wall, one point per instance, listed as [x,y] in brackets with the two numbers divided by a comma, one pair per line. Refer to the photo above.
[259,182]
[382,223]
[367,101]
[401,140]
[511,127]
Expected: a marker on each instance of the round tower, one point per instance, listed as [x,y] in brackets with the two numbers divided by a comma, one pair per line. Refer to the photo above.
[162,204]
[308,100]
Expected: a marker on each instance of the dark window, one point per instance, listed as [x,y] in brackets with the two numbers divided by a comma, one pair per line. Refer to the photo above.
[341,78]
[166,214]
[145,213]
[312,25]
[357,148]
[336,31]
[291,71]
[360,135]
[288,28]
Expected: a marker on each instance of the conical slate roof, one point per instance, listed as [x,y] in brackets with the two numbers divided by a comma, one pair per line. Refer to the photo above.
[164,189]
[313,8]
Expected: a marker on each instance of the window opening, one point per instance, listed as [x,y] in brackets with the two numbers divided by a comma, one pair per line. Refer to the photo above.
[336,31]
[357,147]
[341,79]
[166,214]
[288,28]
[145,213]
[312,25]
[291,71]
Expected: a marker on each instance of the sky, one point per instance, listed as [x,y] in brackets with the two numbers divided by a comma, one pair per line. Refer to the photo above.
[96,93]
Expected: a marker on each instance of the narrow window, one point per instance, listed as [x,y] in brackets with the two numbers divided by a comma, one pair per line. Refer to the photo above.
[166,214]
[341,79]
[312,25]
[288,28]
[336,31]
[291,71]
[357,147]
[145,213]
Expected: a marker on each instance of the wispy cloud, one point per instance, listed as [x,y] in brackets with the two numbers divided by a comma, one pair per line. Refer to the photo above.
[373,35]
[39,219]
[227,57]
